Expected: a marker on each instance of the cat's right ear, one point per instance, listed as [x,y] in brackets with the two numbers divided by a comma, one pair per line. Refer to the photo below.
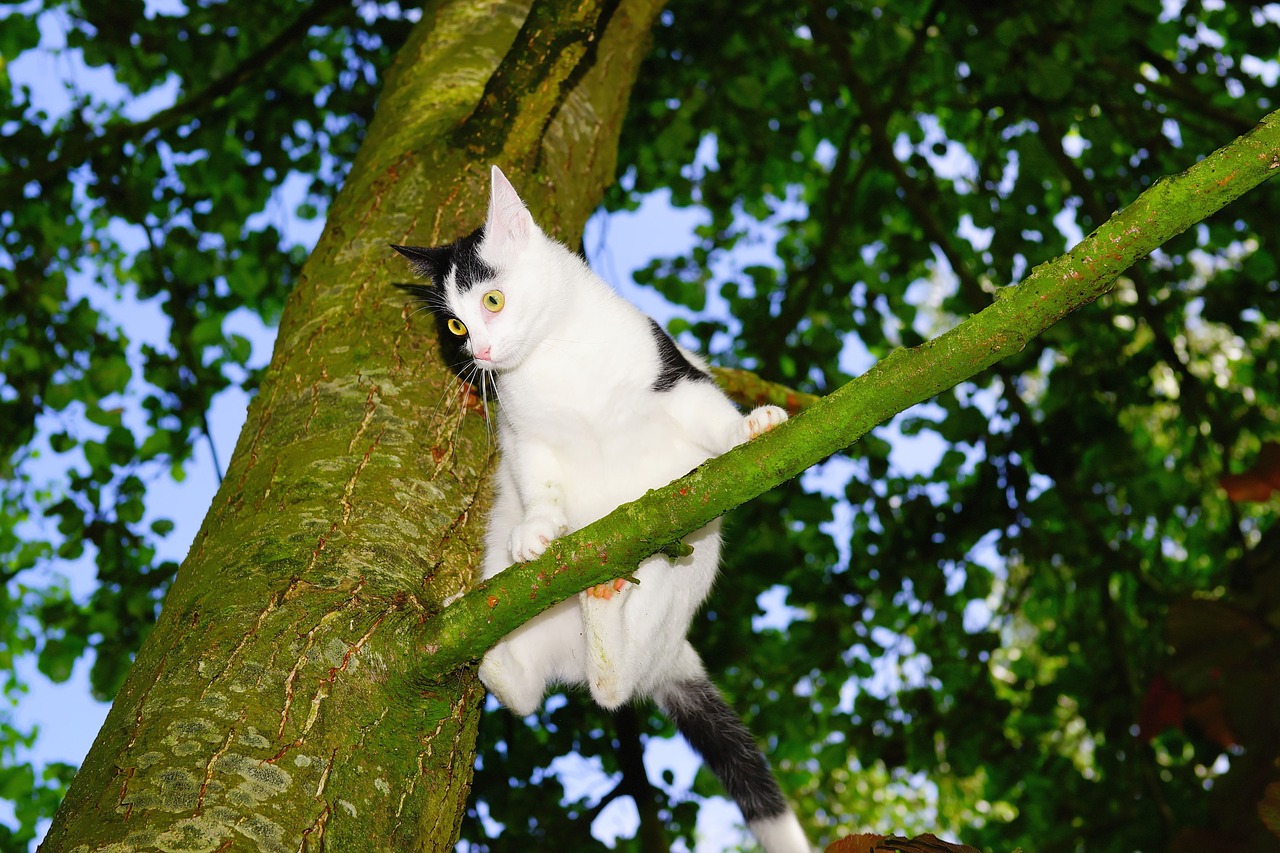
[509,223]
[428,263]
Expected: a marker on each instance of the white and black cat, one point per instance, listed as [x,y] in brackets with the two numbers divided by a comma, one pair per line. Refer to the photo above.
[596,405]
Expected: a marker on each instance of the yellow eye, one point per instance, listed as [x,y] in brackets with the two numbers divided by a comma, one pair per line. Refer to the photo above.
[494,300]
[457,326]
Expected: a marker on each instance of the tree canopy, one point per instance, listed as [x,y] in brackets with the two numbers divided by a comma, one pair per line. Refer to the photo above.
[1052,625]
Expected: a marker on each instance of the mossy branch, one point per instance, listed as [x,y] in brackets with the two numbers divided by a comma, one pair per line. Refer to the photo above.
[614,545]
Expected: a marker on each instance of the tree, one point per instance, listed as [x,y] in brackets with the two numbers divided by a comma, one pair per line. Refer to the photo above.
[1023,720]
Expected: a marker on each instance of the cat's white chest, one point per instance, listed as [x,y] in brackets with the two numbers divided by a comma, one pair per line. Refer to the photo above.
[611,437]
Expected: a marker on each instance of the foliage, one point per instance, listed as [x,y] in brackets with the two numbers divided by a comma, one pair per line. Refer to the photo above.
[973,632]
[908,158]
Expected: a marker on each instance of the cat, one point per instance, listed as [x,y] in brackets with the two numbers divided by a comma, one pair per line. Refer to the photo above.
[596,405]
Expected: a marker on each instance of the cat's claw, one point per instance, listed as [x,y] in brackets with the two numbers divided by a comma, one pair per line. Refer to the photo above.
[530,540]
[606,590]
[763,419]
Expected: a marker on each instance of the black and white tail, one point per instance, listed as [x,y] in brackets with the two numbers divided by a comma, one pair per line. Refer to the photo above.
[715,731]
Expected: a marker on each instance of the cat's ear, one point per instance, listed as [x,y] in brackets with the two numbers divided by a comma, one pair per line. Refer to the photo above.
[509,224]
[428,263]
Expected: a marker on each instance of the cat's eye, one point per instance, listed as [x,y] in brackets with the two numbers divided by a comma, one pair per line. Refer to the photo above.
[494,300]
[457,326]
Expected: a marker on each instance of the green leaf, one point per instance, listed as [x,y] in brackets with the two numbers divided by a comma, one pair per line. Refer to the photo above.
[59,395]
[19,33]
[16,782]
[120,445]
[239,349]
[1049,78]
[58,657]
[108,375]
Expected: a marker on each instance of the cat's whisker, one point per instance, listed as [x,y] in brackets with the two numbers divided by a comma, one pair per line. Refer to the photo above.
[488,424]
[445,397]
[465,376]
[454,392]
[566,346]
[497,395]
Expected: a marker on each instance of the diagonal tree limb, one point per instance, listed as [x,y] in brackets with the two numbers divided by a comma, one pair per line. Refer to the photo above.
[614,545]
[748,389]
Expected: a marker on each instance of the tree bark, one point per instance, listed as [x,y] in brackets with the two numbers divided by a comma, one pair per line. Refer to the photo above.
[269,709]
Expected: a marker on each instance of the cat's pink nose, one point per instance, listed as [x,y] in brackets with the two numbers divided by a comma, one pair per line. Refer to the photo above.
[483,355]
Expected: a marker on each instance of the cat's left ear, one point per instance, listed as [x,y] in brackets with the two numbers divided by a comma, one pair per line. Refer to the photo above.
[509,224]
[428,263]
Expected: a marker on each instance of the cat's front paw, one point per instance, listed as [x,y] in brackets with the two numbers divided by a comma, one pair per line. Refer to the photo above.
[530,539]
[761,420]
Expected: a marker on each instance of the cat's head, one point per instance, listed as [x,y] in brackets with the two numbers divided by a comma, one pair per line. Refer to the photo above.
[493,292]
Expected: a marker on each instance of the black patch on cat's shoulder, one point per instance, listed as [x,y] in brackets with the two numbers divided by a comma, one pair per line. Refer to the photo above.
[672,365]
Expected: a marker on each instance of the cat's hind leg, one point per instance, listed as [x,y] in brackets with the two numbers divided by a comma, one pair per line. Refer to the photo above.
[634,635]
[545,649]
[502,674]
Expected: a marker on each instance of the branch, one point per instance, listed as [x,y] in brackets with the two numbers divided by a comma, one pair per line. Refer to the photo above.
[874,115]
[652,833]
[614,545]
[747,389]
[1179,88]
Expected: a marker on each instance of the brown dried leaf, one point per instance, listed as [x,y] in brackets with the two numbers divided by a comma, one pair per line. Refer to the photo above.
[1210,711]
[1259,482]
[1195,623]
[1163,707]
[927,843]
[1269,808]
[864,843]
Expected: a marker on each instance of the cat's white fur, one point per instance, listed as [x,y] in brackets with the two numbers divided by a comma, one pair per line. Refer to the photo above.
[581,432]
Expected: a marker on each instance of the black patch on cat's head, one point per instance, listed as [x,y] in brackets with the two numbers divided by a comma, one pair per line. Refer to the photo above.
[466,260]
[428,263]
[463,257]
[672,365]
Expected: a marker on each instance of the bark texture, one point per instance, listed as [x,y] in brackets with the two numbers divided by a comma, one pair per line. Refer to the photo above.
[270,708]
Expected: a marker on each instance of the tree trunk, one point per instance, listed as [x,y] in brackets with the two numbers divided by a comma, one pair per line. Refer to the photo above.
[271,707]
